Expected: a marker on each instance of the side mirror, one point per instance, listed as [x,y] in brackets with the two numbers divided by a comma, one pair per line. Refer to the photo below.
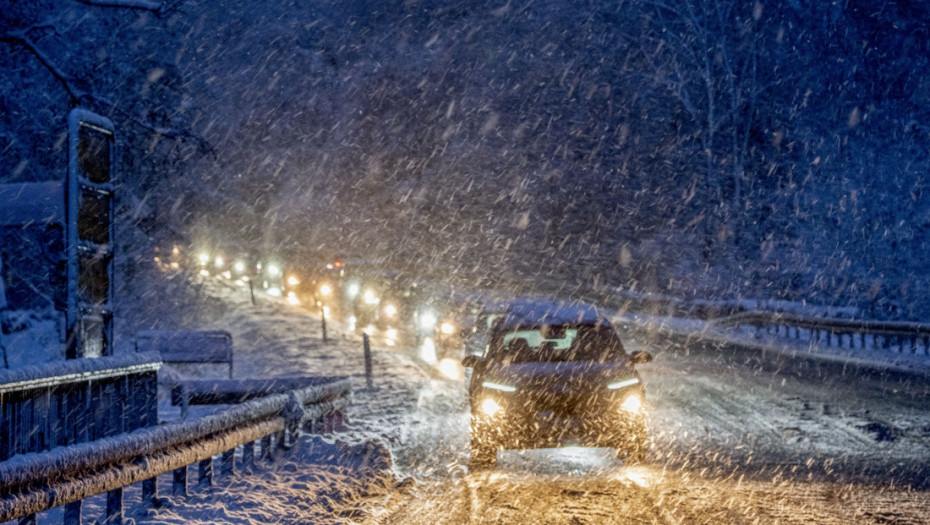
[471,361]
[639,357]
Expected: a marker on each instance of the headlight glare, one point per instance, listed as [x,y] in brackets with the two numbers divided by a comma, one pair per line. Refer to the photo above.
[427,320]
[490,407]
[632,404]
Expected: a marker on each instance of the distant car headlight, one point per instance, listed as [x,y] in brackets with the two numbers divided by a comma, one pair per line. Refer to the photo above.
[427,320]
[390,310]
[623,384]
[274,270]
[353,290]
[219,262]
[293,281]
[632,404]
[490,407]
[447,328]
[451,368]
[239,266]
[204,259]
[325,289]
[498,386]
[369,297]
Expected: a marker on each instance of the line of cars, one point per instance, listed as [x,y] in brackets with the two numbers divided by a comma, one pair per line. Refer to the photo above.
[370,297]
[541,374]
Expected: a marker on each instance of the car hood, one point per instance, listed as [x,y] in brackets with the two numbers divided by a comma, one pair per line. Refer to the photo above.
[561,377]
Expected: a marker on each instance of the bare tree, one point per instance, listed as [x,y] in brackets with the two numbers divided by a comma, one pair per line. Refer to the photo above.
[707,53]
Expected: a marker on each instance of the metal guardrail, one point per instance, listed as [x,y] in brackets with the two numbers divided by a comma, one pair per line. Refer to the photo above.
[33,483]
[76,401]
[188,346]
[235,391]
[839,333]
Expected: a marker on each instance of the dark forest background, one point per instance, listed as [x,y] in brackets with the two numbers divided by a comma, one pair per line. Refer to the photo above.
[716,149]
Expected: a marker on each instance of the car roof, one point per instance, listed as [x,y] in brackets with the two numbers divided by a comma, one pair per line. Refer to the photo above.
[527,313]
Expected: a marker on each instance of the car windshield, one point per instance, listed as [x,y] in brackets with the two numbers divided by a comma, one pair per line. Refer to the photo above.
[556,344]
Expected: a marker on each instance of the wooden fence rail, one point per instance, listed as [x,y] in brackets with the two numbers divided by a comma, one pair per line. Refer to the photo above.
[33,483]
[902,337]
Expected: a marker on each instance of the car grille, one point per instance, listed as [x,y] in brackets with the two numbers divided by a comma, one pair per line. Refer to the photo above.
[563,404]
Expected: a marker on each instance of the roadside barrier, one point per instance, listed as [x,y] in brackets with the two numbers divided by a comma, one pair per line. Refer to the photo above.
[32,483]
[175,347]
[913,338]
[75,401]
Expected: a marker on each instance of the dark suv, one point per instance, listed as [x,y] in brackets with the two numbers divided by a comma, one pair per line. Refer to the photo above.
[554,375]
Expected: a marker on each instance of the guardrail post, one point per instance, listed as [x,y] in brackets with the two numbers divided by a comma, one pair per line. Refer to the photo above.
[115,506]
[179,487]
[206,471]
[150,491]
[267,448]
[367,346]
[248,455]
[228,467]
[73,513]
[323,322]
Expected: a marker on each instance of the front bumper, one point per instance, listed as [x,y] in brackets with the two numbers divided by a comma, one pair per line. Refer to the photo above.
[550,428]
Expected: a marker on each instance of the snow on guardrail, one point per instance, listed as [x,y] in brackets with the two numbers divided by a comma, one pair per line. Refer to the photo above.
[32,483]
[839,333]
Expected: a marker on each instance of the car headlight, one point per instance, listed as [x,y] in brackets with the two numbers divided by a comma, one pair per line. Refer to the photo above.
[293,281]
[447,328]
[325,289]
[369,297]
[632,404]
[498,386]
[390,310]
[352,290]
[427,320]
[623,384]
[490,407]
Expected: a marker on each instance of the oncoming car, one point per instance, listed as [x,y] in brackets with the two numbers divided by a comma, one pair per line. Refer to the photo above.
[555,375]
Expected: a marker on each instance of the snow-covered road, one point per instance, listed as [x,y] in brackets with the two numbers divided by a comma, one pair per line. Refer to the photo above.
[731,443]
